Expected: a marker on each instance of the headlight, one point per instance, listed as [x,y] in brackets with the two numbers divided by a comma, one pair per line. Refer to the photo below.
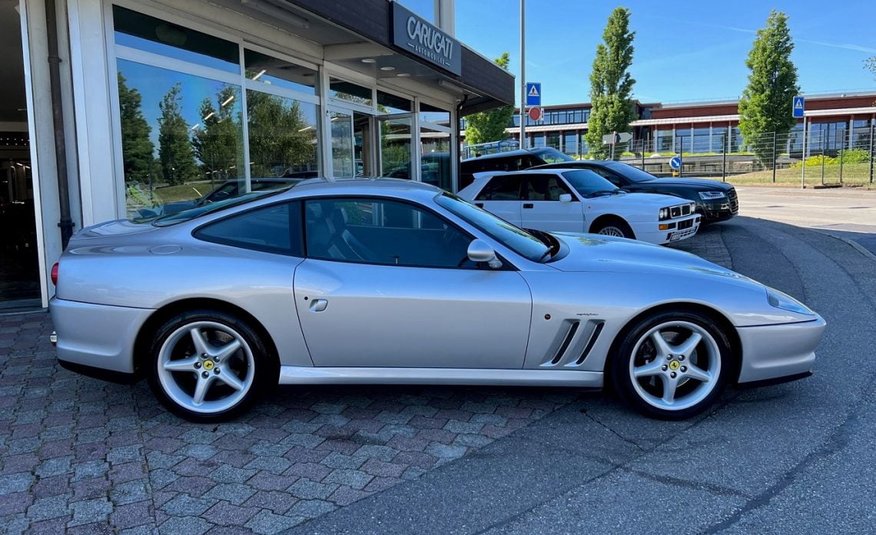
[664,214]
[786,302]
[712,195]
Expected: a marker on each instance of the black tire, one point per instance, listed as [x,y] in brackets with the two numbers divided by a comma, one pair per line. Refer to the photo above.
[252,364]
[636,349]
[613,227]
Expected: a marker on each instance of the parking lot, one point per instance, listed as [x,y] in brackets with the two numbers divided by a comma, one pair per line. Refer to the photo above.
[93,457]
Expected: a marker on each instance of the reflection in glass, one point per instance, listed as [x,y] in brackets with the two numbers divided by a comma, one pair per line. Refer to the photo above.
[277,72]
[389,103]
[350,92]
[435,160]
[363,142]
[182,137]
[395,147]
[431,114]
[282,136]
[149,34]
[342,143]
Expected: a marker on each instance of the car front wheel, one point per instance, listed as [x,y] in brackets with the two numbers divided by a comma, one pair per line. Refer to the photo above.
[208,365]
[618,229]
[672,365]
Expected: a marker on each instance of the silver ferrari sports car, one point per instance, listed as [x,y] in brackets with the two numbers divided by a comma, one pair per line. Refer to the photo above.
[396,282]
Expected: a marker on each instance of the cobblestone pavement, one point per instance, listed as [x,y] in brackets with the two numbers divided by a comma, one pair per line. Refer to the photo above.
[94,457]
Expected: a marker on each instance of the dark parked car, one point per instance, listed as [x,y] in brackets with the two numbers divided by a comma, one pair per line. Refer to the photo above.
[716,201]
[515,160]
[226,190]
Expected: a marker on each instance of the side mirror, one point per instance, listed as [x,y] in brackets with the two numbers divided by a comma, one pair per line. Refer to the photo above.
[480,251]
[565,197]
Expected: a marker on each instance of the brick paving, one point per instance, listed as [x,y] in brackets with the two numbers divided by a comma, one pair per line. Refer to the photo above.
[86,456]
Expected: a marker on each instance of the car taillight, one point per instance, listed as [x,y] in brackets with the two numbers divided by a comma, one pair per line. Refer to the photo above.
[55,274]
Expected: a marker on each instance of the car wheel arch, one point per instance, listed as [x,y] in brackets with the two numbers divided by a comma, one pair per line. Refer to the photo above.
[169,310]
[715,315]
[607,219]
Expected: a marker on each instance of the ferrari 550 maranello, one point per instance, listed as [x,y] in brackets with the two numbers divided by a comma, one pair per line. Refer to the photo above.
[394,282]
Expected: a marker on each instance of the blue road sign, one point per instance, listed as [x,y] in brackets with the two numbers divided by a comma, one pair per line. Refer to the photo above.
[533,93]
[798,106]
[675,162]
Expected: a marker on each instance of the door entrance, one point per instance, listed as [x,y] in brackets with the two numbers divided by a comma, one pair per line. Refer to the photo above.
[19,267]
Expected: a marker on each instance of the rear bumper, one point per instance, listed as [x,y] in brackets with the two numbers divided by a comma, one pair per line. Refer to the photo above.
[96,336]
[776,351]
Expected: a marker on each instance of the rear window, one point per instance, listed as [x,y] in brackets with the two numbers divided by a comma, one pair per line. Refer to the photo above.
[501,188]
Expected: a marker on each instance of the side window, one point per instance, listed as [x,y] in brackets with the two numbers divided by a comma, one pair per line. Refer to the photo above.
[545,188]
[501,188]
[608,175]
[380,231]
[274,229]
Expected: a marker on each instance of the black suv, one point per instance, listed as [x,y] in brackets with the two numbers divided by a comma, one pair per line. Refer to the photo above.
[515,160]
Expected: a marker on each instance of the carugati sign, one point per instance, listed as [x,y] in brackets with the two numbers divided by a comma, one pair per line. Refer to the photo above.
[418,36]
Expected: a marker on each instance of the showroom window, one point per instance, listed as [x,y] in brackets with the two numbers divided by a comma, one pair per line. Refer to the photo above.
[192,118]
[435,156]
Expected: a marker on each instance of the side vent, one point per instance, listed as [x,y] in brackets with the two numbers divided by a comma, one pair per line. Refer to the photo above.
[594,335]
[573,328]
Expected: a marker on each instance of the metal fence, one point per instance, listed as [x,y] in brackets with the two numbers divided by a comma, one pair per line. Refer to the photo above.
[821,156]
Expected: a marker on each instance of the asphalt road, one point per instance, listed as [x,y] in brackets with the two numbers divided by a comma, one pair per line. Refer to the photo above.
[793,458]
[847,213]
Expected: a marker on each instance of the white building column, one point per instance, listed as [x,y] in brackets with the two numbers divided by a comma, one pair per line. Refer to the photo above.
[445,16]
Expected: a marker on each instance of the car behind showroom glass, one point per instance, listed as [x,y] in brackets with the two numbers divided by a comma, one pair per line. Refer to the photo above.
[514,238]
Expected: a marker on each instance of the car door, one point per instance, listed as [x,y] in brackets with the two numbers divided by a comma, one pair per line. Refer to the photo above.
[501,195]
[388,284]
[542,208]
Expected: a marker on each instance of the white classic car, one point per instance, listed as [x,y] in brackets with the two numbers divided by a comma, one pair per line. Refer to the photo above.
[579,200]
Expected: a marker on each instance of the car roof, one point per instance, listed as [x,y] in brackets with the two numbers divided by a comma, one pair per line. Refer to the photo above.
[359,186]
[498,155]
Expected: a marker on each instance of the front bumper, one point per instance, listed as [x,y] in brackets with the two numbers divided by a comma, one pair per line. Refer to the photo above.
[775,351]
[680,228]
[96,336]
[718,210]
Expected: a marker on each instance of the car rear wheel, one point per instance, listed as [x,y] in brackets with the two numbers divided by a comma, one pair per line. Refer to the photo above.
[618,229]
[672,365]
[209,365]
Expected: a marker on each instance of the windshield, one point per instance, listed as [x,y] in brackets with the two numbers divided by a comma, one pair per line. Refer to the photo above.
[209,208]
[514,238]
[589,184]
[632,173]
[551,155]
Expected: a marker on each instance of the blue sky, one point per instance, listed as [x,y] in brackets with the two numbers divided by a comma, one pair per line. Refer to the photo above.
[685,50]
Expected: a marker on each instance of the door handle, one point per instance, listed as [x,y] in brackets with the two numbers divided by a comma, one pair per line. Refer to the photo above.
[318,305]
[528,205]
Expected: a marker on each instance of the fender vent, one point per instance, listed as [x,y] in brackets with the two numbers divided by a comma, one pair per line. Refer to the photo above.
[594,335]
[573,328]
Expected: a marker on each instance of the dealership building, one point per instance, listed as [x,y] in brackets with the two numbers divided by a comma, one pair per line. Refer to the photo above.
[120,108]
[836,120]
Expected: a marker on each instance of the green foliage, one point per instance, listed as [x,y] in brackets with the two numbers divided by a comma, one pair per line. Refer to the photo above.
[174,146]
[137,149]
[487,126]
[279,136]
[765,105]
[611,85]
[217,142]
[847,157]
[870,64]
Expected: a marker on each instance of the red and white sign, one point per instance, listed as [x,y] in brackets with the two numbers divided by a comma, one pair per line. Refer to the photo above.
[535,113]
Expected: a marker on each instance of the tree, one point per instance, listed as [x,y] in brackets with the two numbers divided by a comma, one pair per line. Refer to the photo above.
[486,126]
[174,147]
[611,85]
[765,106]
[217,142]
[279,135]
[138,158]
[870,64]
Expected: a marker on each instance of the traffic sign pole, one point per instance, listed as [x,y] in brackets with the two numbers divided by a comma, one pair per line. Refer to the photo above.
[522,143]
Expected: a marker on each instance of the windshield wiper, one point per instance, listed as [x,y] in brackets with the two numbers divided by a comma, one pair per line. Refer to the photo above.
[552,243]
[602,193]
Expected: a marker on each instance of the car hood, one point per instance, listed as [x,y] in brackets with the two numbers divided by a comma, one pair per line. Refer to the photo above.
[592,252]
[696,183]
[651,200]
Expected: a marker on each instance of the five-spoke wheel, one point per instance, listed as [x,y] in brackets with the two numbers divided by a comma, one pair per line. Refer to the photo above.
[672,364]
[207,365]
